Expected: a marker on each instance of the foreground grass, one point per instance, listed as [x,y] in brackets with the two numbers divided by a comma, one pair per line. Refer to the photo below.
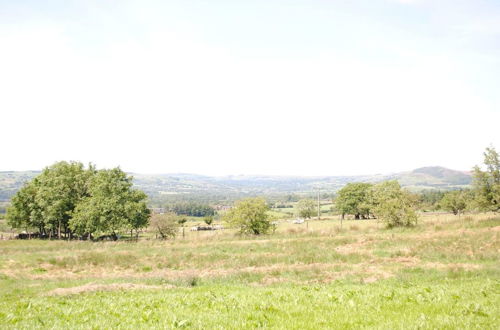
[443,274]
[455,303]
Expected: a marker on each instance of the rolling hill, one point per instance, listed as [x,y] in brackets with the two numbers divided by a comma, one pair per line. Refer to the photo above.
[182,186]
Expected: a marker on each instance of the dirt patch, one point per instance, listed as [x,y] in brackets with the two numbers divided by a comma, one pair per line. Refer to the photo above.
[452,266]
[357,247]
[92,287]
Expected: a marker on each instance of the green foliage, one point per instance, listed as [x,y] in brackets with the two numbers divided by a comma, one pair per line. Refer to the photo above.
[250,216]
[305,208]
[67,198]
[61,187]
[166,225]
[208,220]
[486,184]
[429,199]
[24,212]
[354,198]
[112,205]
[395,206]
[454,201]
[192,209]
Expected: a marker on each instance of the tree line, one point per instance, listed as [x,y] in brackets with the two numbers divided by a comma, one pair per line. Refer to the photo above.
[193,209]
[69,201]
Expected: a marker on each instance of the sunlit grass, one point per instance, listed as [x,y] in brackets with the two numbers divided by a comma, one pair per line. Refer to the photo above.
[444,273]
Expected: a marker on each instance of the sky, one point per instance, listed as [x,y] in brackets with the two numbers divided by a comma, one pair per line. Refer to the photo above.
[295,87]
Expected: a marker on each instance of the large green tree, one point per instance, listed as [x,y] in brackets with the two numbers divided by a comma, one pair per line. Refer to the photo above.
[249,216]
[61,187]
[394,205]
[67,198]
[486,183]
[354,198]
[111,205]
[24,212]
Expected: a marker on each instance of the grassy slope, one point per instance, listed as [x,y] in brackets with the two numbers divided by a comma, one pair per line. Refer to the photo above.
[442,274]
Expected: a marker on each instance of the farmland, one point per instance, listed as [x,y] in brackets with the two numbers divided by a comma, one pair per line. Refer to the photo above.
[443,273]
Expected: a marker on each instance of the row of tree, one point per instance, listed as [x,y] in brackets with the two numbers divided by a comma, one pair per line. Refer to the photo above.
[68,200]
[365,200]
[192,209]
[385,200]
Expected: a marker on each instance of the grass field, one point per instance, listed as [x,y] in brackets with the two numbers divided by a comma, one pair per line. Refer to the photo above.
[445,273]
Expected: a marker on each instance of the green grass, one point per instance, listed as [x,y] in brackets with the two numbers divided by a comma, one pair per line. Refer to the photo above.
[458,303]
[445,273]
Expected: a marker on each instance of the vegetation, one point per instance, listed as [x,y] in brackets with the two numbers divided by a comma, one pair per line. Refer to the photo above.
[429,200]
[249,216]
[354,199]
[192,209]
[442,274]
[395,206]
[67,199]
[487,183]
[166,190]
[441,271]
[306,208]
[165,225]
[208,220]
[455,201]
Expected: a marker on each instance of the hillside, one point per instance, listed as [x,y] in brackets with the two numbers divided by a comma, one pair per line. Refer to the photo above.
[182,186]
[434,177]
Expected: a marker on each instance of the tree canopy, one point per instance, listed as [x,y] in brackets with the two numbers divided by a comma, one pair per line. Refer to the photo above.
[250,216]
[305,208]
[395,206]
[67,198]
[454,201]
[354,198]
[486,184]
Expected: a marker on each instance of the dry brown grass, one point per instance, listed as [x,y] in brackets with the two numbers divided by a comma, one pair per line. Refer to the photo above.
[320,254]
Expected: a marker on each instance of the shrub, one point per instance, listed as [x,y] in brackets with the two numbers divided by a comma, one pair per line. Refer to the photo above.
[250,216]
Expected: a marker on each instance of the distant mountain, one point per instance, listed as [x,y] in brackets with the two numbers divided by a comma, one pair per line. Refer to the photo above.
[434,177]
[179,186]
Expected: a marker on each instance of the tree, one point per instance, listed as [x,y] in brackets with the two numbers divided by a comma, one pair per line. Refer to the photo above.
[354,198]
[24,212]
[250,216]
[112,205]
[61,187]
[182,221]
[49,200]
[454,201]
[166,225]
[208,220]
[305,208]
[394,205]
[139,212]
[486,184]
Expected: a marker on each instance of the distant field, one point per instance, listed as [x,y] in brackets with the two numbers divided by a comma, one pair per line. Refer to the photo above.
[445,273]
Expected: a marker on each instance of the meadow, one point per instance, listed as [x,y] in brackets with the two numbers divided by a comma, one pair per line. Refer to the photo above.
[444,273]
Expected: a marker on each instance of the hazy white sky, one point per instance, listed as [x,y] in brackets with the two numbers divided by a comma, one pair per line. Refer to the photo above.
[218,87]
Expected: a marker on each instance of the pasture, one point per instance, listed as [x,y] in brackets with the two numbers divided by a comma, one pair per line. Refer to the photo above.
[444,273]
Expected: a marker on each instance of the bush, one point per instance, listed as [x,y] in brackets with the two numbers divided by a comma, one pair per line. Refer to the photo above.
[395,206]
[166,225]
[250,216]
